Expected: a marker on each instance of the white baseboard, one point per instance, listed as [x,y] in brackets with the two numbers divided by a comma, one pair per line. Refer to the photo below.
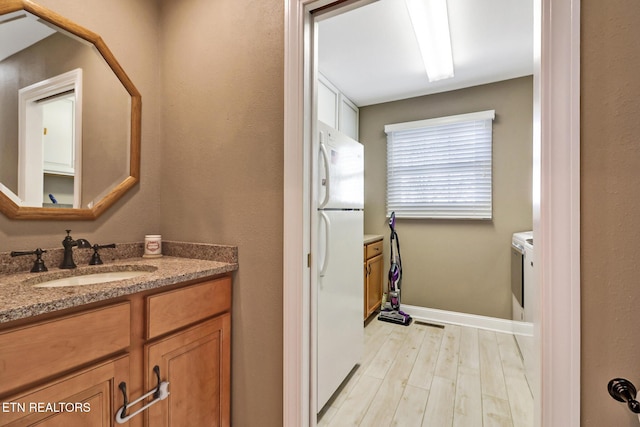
[473,320]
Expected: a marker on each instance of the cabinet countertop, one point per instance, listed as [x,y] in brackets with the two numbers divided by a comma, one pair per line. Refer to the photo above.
[370,238]
[19,299]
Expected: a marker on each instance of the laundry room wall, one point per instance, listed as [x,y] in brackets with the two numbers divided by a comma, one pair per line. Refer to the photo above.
[458,265]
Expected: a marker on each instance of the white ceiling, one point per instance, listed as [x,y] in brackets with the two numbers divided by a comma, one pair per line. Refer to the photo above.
[371,54]
[19,30]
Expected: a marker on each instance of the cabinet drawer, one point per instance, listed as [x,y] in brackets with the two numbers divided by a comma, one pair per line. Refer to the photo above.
[172,310]
[50,347]
[374,249]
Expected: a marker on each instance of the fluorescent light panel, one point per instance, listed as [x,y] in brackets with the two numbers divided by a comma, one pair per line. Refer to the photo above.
[430,21]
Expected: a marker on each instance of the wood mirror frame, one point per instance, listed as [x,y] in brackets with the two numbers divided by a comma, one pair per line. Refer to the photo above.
[11,209]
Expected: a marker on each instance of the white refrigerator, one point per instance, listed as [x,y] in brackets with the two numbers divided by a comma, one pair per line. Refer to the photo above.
[340,296]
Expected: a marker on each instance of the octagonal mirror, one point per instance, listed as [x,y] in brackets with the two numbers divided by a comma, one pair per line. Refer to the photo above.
[69,118]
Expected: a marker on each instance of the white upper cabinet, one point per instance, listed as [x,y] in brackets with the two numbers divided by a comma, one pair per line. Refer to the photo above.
[328,97]
[348,117]
[335,109]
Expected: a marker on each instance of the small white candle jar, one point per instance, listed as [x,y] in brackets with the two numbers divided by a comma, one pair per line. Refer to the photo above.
[152,246]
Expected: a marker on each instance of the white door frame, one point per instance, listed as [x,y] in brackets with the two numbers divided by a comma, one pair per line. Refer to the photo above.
[556,217]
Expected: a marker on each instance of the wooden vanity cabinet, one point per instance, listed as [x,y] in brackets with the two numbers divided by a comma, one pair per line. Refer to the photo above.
[80,356]
[373,277]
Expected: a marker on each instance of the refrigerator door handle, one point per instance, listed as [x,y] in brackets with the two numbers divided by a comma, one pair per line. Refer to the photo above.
[325,264]
[327,180]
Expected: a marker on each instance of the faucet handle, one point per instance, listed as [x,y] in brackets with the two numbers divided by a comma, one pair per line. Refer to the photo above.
[67,238]
[95,258]
[38,264]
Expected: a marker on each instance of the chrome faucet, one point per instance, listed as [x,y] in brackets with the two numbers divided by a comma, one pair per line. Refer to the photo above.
[68,243]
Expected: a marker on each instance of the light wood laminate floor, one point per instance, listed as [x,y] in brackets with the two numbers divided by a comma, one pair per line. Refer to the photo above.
[422,375]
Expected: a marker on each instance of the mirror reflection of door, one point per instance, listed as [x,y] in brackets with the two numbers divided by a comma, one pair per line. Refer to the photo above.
[58,150]
[49,172]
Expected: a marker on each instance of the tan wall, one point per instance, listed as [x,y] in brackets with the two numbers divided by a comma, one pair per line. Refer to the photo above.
[462,266]
[222,171]
[610,181]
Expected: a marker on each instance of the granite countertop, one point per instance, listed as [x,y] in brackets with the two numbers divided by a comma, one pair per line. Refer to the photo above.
[182,262]
[370,238]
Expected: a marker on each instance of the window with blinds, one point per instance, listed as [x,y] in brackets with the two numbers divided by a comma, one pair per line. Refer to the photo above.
[441,168]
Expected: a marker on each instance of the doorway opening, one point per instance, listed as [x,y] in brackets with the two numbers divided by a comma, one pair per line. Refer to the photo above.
[556,209]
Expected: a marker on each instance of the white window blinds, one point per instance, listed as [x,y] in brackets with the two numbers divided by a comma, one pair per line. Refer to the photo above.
[440,168]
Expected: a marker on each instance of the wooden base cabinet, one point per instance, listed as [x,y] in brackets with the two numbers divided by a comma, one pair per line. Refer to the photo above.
[373,277]
[66,370]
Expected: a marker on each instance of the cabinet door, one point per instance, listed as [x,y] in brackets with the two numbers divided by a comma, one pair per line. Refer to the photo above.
[196,363]
[348,118]
[328,97]
[89,397]
[375,266]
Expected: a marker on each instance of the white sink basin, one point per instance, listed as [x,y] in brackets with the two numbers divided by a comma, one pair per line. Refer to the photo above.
[91,279]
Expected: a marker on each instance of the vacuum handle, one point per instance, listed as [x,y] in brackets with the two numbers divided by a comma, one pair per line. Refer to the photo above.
[327,180]
[325,264]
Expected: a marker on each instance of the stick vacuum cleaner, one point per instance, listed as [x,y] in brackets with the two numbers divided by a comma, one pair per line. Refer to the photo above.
[391,310]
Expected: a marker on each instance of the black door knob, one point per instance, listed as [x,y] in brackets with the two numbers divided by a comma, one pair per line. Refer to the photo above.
[624,391]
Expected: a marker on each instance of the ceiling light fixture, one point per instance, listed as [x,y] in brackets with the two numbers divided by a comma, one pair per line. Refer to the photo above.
[430,21]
